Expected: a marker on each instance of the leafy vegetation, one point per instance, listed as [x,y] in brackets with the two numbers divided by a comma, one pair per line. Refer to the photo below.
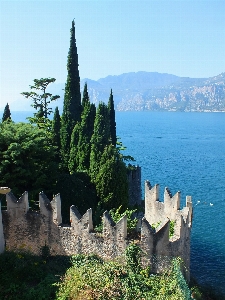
[116,215]
[72,99]
[131,220]
[92,278]
[83,144]
[75,154]
[55,137]
[41,102]
[112,119]
[6,114]
[111,180]
[24,276]
[27,159]
[172,226]
[171,230]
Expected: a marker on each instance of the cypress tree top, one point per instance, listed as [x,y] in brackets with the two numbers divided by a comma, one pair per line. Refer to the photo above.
[112,118]
[85,98]
[72,99]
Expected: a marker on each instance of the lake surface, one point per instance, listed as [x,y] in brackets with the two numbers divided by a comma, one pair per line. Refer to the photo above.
[185,152]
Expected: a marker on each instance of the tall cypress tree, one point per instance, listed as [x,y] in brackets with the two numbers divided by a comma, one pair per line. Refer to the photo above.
[6,114]
[86,131]
[100,138]
[72,98]
[56,133]
[112,119]
[85,98]
[81,140]
[73,161]
[111,180]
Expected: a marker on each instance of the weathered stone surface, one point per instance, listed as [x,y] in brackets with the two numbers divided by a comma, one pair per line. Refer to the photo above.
[29,230]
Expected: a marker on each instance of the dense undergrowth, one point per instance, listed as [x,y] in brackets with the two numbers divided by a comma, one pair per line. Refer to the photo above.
[24,276]
[92,278]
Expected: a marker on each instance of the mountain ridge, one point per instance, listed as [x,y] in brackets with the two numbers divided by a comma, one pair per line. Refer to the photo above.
[159,91]
[153,91]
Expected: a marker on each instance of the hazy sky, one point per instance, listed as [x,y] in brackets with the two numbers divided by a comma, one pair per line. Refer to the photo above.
[182,37]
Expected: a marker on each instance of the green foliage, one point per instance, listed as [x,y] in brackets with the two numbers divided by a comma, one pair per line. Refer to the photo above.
[85,98]
[72,98]
[80,146]
[26,159]
[26,277]
[112,119]
[76,189]
[133,255]
[155,225]
[56,133]
[93,278]
[125,158]
[100,138]
[41,101]
[171,230]
[111,180]
[85,134]
[197,294]
[6,114]
[74,158]
[116,215]
[172,225]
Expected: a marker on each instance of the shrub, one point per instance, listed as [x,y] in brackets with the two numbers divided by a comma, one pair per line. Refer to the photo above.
[92,278]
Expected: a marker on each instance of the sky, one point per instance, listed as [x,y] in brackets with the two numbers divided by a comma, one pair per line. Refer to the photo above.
[181,37]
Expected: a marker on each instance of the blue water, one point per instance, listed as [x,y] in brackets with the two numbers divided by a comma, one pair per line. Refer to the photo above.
[185,152]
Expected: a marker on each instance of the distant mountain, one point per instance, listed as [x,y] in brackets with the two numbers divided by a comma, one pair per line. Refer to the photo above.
[156,91]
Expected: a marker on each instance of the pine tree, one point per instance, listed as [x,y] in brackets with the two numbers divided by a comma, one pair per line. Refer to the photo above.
[41,101]
[56,133]
[100,138]
[112,118]
[72,99]
[111,180]
[6,114]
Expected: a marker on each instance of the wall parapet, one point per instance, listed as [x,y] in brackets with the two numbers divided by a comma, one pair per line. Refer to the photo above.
[29,230]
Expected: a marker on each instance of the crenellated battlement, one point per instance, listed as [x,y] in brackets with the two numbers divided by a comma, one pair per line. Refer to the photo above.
[17,207]
[157,211]
[30,230]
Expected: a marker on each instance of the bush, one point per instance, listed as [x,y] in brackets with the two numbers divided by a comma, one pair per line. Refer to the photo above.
[116,215]
[92,278]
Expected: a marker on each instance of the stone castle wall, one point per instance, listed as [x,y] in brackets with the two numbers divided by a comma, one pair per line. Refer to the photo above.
[24,229]
[134,186]
[2,239]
